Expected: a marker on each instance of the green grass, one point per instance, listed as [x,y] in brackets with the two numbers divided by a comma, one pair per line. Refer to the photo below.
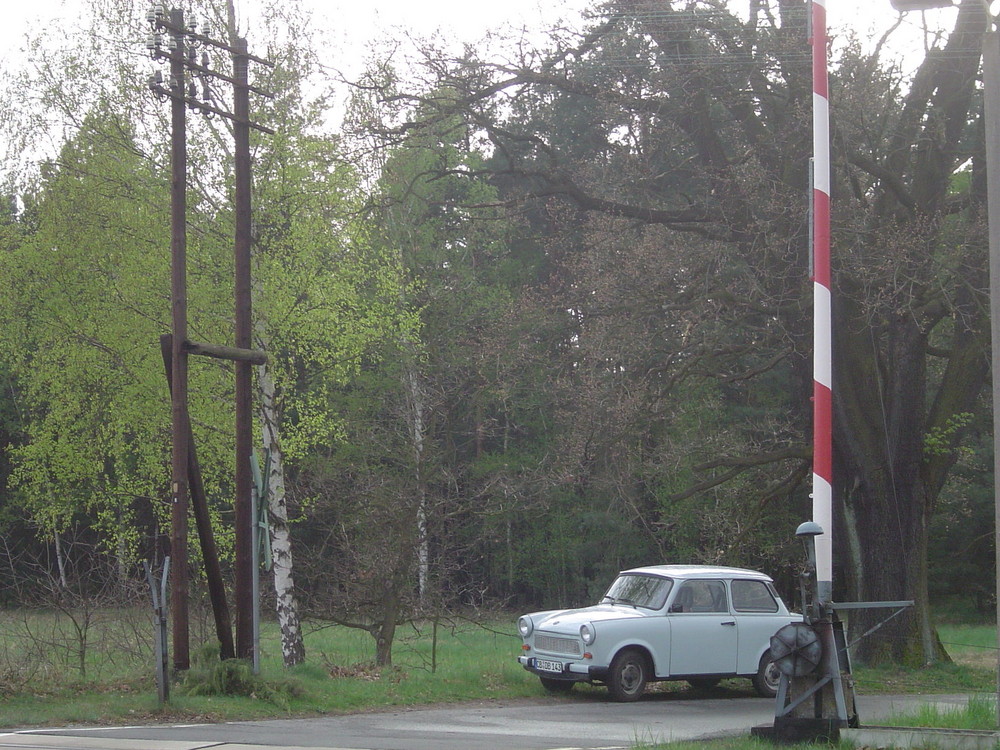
[973,651]
[979,713]
[727,743]
[970,645]
[47,679]
[939,678]
[470,662]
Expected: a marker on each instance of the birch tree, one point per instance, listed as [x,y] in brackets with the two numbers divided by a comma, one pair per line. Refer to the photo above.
[321,303]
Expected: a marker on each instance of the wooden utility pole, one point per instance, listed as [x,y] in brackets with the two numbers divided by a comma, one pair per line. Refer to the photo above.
[203,522]
[245,603]
[184,40]
[991,113]
[178,357]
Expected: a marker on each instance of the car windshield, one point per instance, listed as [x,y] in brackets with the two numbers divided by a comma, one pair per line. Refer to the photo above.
[637,590]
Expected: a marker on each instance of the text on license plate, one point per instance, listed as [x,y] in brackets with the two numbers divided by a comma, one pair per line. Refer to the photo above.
[545,665]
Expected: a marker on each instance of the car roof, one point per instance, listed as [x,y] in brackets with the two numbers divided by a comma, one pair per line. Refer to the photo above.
[699,571]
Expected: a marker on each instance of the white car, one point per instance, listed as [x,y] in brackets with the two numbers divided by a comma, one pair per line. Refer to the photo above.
[661,622]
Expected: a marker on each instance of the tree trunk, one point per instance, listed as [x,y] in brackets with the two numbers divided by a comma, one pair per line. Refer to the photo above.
[60,561]
[416,403]
[292,647]
[885,516]
[386,631]
[887,500]
[888,403]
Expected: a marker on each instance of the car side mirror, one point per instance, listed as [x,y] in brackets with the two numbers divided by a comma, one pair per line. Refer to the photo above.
[676,607]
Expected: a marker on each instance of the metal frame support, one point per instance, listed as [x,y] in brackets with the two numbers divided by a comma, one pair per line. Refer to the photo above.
[817,704]
[829,688]
[829,683]
[159,598]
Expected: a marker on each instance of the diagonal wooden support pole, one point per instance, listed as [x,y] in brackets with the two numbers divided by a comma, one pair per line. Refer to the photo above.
[209,552]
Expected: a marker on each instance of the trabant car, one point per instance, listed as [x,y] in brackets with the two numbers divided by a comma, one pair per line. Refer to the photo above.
[661,622]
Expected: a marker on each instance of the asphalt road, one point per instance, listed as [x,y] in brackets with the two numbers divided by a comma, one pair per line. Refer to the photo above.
[585,722]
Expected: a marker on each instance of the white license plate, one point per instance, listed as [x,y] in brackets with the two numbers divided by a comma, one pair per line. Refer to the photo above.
[545,665]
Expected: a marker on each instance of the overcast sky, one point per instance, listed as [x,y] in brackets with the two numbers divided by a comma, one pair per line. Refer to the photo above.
[364,20]
[349,27]
[358,21]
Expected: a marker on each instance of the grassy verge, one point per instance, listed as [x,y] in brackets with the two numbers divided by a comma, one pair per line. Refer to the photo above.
[971,645]
[466,662]
[979,713]
[729,743]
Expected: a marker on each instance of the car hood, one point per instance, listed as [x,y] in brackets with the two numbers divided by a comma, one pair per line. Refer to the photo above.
[571,619]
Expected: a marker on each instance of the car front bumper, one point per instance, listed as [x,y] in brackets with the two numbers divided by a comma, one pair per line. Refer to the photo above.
[572,670]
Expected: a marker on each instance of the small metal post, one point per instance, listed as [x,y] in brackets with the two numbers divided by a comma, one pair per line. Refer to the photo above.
[159,598]
[255,503]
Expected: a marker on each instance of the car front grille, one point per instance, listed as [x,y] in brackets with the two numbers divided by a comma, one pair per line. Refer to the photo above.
[555,645]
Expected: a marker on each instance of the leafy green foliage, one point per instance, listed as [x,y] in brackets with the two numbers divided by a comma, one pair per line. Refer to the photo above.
[82,302]
[86,298]
[941,439]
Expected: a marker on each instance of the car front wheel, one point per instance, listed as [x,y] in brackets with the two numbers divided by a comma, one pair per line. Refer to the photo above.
[628,675]
[768,677]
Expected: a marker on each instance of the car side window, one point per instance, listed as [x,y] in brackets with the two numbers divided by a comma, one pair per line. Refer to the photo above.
[753,596]
[701,596]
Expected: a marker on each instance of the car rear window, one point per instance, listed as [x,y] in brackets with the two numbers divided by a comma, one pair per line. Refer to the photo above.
[753,596]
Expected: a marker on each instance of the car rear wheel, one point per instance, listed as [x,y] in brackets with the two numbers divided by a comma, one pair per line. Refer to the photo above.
[556,686]
[628,675]
[768,677]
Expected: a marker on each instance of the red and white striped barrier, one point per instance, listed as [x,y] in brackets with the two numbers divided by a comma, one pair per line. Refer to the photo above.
[822,324]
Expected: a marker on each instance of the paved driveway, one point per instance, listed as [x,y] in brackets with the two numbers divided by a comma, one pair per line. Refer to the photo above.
[585,722]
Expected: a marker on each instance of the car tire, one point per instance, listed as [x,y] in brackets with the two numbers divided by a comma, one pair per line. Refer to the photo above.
[628,675]
[767,679]
[556,686]
[704,683]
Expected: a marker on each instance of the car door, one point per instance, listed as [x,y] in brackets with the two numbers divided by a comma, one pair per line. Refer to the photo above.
[704,633]
[757,610]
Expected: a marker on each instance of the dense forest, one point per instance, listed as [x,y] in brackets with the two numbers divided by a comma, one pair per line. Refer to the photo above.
[532,316]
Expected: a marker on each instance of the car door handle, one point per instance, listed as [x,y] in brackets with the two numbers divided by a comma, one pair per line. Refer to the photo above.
[731,623]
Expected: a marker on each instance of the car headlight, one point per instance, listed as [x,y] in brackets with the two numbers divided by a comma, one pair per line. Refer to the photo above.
[588,633]
[524,626]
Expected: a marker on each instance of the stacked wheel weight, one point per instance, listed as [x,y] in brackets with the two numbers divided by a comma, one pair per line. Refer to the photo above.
[796,650]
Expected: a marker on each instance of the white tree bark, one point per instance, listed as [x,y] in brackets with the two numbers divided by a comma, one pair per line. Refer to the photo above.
[416,398]
[292,647]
